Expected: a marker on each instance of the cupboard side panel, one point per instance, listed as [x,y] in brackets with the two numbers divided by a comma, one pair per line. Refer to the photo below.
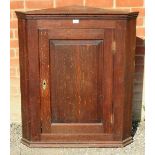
[119,80]
[33,80]
[129,75]
[23,59]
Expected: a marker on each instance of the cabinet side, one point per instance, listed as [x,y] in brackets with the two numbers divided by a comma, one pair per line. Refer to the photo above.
[23,59]
[125,35]
[130,46]
[29,79]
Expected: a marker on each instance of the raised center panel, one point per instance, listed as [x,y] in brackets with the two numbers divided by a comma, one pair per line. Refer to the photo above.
[76,81]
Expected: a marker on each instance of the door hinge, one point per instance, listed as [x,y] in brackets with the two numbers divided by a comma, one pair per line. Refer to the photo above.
[114,47]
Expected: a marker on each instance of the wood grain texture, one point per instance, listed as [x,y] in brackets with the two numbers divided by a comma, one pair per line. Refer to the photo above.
[119,80]
[33,80]
[98,144]
[23,59]
[77,43]
[67,23]
[108,82]
[78,34]
[75,84]
[129,76]
[76,79]
[29,72]
[77,128]
[44,81]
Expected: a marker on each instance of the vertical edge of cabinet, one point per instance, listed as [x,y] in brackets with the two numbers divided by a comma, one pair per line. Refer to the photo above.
[29,79]
[23,78]
[108,81]
[123,77]
[34,80]
[130,46]
[119,79]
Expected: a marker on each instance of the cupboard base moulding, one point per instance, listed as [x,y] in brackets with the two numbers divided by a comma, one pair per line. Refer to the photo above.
[94,144]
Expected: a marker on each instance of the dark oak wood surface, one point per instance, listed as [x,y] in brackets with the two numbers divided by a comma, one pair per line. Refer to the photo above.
[76,67]
[75,84]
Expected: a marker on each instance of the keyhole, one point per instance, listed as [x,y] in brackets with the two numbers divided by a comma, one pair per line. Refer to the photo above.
[44,84]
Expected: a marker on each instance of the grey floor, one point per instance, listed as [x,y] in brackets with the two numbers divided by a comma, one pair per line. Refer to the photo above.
[136,148]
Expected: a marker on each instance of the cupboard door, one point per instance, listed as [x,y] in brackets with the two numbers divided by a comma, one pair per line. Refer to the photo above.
[76,77]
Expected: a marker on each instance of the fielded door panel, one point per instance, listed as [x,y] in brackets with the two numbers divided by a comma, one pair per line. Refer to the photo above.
[76,80]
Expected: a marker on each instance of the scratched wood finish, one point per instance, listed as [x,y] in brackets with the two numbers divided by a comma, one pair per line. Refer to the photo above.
[78,34]
[29,71]
[75,84]
[108,81]
[74,128]
[23,58]
[129,76]
[76,79]
[44,81]
[67,23]
[76,93]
